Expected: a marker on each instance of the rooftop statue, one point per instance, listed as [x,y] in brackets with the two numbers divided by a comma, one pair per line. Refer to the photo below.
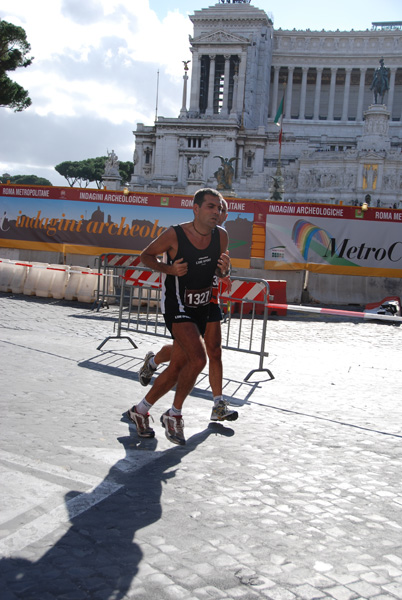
[224,175]
[380,83]
[112,165]
[235,2]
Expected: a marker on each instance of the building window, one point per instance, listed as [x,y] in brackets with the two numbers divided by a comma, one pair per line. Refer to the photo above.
[148,154]
[194,142]
[218,83]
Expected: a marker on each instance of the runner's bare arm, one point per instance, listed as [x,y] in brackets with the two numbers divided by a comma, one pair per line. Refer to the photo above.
[223,268]
[166,242]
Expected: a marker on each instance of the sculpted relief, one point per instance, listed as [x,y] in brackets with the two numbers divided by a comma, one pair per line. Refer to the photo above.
[317,179]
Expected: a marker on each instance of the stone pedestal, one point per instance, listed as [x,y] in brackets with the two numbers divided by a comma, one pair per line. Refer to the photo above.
[375,129]
[111,182]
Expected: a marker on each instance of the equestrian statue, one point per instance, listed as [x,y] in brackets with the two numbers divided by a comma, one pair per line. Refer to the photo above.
[380,84]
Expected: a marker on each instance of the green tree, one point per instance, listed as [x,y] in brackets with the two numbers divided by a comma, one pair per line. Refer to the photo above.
[97,166]
[70,171]
[81,172]
[90,170]
[14,48]
[126,169]
[24,179]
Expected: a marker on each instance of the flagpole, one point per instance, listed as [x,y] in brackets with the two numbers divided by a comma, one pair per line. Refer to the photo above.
[279,115]
[278,180]
[157,96]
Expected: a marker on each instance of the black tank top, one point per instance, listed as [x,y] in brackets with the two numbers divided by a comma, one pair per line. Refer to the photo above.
[192,290]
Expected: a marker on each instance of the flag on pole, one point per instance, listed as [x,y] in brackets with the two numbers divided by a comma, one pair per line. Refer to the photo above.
[279,113]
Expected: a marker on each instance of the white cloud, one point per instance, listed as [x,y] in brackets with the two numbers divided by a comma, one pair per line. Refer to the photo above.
[95,63]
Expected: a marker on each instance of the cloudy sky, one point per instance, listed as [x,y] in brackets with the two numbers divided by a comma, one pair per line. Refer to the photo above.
[96,66]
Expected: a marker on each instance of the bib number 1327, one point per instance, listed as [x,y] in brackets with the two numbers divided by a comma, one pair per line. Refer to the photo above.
[195,298]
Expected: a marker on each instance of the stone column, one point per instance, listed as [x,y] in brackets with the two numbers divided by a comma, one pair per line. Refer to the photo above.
[317,94]
[241,83]
[391,90]
[259,158]
[289,91]
[211,83]
[183,111]
[332,94]
[274,103]
[346,92]
[302,105]
[240,154]
[225,101]
[233,112]
[181,176]
[360,99]
[195,83]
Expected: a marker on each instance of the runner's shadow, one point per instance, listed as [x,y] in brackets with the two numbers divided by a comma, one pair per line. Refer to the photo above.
[122,364]
[97,557]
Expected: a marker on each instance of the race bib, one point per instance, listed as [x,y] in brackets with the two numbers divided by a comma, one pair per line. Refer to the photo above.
[197,298]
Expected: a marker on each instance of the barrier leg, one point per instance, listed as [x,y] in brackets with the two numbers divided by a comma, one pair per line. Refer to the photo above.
[262,349]
[119,336]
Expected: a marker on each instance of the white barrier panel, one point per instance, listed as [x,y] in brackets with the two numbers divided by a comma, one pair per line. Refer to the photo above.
[59,281]
[88,286]
[50,281]
[6,275]
[43,282]
[74,282]
[31,282]
[19,278]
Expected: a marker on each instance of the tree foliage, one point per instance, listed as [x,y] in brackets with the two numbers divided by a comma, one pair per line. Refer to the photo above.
[14,49]
[126,169]
[24,179]
[84,172]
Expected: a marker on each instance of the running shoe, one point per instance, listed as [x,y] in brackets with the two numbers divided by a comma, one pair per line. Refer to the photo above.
[141,422]
[222,412]
[146,371]
[173,428]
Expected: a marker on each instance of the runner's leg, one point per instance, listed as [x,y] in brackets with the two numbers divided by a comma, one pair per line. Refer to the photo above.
[213,343]
[187,361]
[163,355]
[189,339]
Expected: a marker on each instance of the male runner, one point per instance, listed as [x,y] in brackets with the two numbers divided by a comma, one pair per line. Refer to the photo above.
[213,344]
[195,252]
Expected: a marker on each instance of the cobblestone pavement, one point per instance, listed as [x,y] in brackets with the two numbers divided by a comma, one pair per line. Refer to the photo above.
[299,498]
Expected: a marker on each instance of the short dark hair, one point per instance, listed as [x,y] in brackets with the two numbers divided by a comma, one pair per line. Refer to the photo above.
[199,195]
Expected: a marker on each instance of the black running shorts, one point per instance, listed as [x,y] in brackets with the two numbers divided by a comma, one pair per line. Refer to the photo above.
[199,316]
[215,313]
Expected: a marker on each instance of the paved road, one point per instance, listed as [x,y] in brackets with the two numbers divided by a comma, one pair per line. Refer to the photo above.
[299,498]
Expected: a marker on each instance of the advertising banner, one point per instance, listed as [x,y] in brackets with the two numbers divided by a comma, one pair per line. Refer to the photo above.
[341,240]
[92,222]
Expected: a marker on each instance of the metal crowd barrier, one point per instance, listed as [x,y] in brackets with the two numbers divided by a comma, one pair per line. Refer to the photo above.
[253,293]
[112,267]
[139,312]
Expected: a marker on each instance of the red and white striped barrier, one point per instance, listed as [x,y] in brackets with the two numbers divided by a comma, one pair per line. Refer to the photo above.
[244,291]
[120,260]
[336,312]
[140,278]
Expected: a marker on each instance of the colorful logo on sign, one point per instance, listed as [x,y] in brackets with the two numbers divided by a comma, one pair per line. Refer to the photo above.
[305,235]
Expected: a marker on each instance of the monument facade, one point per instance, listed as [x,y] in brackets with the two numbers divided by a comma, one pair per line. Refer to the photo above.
[340,123]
